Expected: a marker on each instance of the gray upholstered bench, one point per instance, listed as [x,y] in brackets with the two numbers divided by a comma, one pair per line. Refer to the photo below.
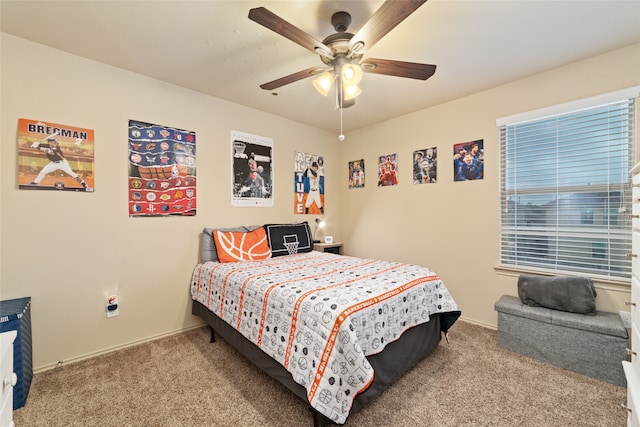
[590,345]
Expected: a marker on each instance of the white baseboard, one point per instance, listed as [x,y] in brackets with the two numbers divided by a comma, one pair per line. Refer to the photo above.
[476,322]
[114,348]
[167,334]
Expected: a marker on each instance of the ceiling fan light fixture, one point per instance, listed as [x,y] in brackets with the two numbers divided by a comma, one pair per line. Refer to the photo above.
[351,91]
[351,74]
[323,83]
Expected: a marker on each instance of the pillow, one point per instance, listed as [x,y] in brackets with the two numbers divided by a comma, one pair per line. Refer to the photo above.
[289,239]
[207,245]
[234,246]
[565,293]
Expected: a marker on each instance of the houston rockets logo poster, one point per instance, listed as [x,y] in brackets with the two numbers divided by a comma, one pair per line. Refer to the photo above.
[162,170]
[53,156]
[308,184]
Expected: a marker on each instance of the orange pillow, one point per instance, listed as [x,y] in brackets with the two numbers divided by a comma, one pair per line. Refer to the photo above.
[233,246]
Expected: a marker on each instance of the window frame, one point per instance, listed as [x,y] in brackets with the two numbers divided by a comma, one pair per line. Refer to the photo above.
[536,265]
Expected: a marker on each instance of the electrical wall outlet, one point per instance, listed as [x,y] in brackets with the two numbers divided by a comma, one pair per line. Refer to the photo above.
[113,308]
[625,316]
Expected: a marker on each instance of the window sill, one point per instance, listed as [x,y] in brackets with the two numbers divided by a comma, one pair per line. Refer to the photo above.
[598,281]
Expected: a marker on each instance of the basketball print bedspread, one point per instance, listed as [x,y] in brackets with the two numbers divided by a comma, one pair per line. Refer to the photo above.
[320,314]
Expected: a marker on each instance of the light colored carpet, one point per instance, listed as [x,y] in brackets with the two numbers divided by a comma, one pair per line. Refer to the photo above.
[183,380]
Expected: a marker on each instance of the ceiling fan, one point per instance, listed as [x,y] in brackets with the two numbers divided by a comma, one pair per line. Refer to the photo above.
[342,52]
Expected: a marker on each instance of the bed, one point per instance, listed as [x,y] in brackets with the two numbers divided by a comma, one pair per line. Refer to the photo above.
[335,330]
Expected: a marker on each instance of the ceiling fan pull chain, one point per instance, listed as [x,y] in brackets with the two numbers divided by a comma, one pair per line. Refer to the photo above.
[341,136]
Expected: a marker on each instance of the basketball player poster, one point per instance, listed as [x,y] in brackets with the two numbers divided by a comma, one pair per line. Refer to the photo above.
[53,156]
[252,170]
[308,183]
[162,170]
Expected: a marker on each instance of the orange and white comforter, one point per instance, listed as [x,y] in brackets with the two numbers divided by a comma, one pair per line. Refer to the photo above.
[320,314]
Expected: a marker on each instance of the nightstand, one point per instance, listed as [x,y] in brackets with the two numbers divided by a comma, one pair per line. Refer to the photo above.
[334,248]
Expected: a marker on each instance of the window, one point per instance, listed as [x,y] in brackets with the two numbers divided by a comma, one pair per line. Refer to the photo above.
[565,189]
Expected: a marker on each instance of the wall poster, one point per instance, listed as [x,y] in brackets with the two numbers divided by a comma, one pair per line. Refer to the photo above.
[52,156]
[252,170]
[387,170]
[468,160]
[425,166]
[162,170]
[308,181]
[356,174]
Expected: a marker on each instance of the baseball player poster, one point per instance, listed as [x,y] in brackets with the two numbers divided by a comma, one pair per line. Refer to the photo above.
[162,171]
[252,170]
[53,156]
[308,181]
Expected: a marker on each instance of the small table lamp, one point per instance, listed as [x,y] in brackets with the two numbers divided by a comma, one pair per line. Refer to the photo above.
[319,224]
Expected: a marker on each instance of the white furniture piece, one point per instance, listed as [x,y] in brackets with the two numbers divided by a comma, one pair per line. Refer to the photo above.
[9,378]
[632,368]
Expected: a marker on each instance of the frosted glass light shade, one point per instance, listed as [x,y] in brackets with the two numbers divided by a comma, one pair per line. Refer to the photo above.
[323,83]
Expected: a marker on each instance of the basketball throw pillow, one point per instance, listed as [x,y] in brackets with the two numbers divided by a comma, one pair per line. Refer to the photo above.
[234,246]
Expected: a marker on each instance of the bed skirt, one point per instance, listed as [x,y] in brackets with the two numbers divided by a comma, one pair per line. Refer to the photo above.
[389,365]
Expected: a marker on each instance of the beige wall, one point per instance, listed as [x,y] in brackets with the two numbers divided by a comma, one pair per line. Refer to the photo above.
[68,251]
[453,227]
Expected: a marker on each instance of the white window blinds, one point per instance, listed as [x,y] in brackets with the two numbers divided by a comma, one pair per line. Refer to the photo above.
[566,193]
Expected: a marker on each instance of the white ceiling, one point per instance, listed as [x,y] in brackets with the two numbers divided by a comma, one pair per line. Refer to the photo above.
[212,47]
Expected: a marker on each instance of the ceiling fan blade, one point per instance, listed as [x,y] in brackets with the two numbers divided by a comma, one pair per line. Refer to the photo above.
[273,22]
[291,78]
[385,19]
[409,70]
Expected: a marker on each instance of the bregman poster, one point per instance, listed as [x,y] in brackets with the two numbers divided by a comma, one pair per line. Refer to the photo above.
[162,170]
[53,156]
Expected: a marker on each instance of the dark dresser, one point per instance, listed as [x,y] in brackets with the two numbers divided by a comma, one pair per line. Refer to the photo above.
[15,315]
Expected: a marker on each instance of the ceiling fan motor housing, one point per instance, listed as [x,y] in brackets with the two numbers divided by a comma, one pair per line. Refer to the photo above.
[341,21]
